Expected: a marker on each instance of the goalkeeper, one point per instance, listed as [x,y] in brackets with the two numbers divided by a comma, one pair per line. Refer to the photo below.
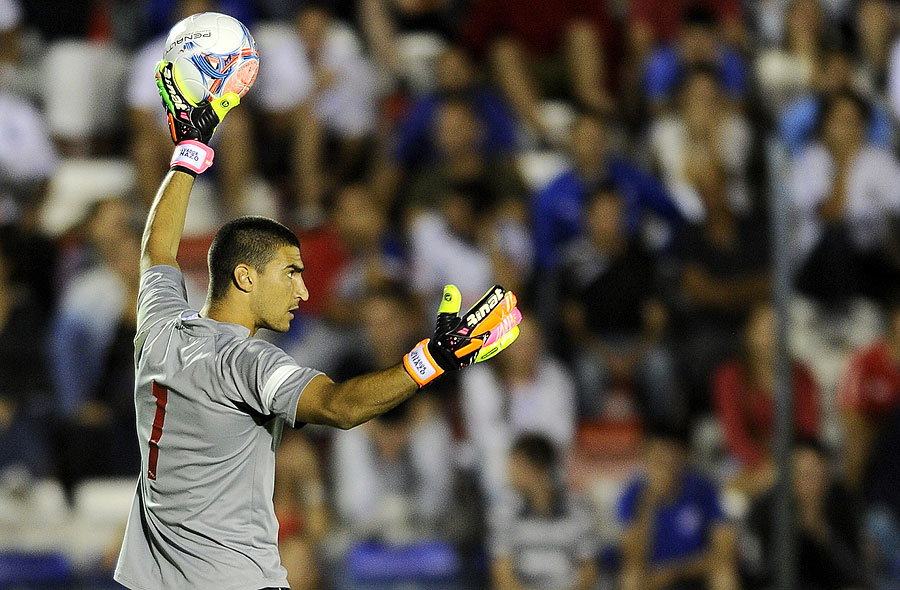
[211,400]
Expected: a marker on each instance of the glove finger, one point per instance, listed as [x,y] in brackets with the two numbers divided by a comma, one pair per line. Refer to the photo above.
[225,103]
[492,350]
[510,321]
[450,303]
[496,315]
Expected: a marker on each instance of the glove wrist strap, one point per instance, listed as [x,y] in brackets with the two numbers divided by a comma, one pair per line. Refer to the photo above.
[420,365]
[192,156]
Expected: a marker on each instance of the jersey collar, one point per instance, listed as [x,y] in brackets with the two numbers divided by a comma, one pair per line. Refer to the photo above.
[191,321]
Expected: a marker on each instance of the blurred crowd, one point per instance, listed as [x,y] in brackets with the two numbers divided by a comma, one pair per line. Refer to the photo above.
[616,163]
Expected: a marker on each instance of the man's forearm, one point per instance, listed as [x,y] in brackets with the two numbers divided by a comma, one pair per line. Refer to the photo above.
[165,222]
[356,401]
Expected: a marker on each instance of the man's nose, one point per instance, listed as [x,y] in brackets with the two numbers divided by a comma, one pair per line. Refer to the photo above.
[300,290]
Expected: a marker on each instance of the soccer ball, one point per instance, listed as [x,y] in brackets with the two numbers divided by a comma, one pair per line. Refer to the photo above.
[211,54]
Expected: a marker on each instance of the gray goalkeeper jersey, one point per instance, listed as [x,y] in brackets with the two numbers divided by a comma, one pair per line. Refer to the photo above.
[210,404]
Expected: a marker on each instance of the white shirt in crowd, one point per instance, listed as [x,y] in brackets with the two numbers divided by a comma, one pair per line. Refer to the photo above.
[495,412]
[873,194]
[669,143]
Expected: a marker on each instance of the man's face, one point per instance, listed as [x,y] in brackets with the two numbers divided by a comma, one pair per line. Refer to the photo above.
[279,290]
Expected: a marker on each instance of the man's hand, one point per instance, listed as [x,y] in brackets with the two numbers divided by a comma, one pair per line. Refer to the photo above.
[188,121]
[486,329]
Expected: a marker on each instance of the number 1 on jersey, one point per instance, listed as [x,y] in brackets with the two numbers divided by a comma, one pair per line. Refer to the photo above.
[162,395]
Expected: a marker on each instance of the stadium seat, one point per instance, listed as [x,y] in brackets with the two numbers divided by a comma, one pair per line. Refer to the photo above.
[26,568]
[373,562]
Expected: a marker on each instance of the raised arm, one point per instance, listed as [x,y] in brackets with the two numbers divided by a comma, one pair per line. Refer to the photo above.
[191,128]
[165,223]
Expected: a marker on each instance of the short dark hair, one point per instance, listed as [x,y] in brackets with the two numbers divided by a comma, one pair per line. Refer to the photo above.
[537,449]
[250,240]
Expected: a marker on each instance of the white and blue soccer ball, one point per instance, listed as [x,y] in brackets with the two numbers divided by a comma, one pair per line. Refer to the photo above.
[212,54]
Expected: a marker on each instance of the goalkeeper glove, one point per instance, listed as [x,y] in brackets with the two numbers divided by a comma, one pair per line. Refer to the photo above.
[191,126]
[487,328]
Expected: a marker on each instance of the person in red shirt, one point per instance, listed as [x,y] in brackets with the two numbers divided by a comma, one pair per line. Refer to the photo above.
[868,392]
[546,48]
[743,391]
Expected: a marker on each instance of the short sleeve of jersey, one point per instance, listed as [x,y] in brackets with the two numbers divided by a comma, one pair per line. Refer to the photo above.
[161,296]
[264,377]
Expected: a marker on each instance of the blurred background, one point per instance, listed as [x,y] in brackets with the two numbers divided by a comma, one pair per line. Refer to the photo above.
[614,162]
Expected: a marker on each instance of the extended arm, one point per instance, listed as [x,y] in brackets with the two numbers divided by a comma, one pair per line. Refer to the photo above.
[487,328]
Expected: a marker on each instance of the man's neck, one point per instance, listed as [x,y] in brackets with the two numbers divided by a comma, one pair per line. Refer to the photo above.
[221,312]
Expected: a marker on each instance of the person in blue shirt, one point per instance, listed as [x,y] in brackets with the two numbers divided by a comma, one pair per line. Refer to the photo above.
[456,79]
[558,208]
[798,123]
[698,43]
[676,535]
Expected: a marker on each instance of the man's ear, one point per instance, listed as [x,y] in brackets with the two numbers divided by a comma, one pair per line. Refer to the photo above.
[243,277]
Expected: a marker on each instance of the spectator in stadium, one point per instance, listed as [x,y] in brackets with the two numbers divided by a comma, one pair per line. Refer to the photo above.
[150,144]
[556,48]
[743,390]
[660,22]
[301,508]
[558,208]
[786,71]
[457,79]
[875,28]
[364,255]
[542,539]
[376,255]
[676,535]
[23,378]
[702,125]
[529,392]
[826,524]
[869,402]
[868,393]
[92,367]
[386,23]
[834,73]
[482,243]
[317,91]
[846,191]
[460,163]
[28,156]
[393,476]
[698,43]
[614,318]
[724,274]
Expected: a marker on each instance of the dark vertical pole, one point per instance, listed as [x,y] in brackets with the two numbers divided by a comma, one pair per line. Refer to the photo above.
[780,212]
